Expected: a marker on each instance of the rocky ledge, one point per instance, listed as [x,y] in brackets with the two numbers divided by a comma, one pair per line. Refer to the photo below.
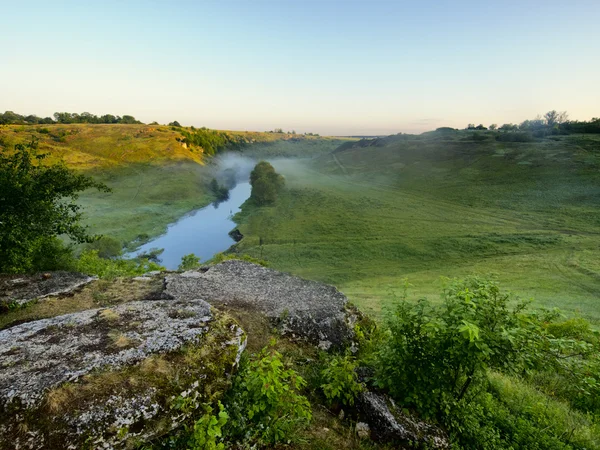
[21,289]
[302,308]
[111,376]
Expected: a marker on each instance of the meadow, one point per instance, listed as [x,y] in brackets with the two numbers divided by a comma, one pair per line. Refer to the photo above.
[155,177]
[421,208]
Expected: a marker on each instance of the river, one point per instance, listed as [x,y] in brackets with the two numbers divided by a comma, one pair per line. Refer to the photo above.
[203,232]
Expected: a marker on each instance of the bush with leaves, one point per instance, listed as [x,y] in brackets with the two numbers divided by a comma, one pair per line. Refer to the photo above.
[89,262]
[341,384]
[220,257]
[37,203]
[189,262]
[207,433]
[265,403]
[436,355]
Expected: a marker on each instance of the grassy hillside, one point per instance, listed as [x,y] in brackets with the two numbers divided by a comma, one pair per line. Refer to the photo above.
[437,205]
[156,177]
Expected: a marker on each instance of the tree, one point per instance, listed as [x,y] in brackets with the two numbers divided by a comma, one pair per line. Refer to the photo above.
[555,118]
[493,126]
[174,124]
[37,204]
[266,183]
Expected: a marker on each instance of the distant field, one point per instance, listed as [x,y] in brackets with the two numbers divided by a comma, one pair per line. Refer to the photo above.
[364,218]
[154,177]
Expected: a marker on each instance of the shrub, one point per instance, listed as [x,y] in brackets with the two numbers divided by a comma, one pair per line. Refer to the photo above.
[37,202]
[342,385]
[265,403]
[51,253]
[436,355]
[89,262]
[220,257]
[207,430]
[107,247]
[189,262]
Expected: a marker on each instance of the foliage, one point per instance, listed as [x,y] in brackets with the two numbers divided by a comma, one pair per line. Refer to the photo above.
[10,117]
[510,415]
[37,202]
[265,404]
[266,183]
[341,381]
[436,355]
[213,141]
[189,262]
[496,377]
[107,246]
[89,262]
[51,253]
[208,430]
[220,257]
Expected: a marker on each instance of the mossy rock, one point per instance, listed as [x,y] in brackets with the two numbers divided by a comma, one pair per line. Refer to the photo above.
[113,378]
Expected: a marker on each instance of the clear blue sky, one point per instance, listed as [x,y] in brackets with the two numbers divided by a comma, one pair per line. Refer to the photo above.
[333,67]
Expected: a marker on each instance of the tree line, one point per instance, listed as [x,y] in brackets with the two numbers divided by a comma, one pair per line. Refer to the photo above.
[12,118]
[552,123]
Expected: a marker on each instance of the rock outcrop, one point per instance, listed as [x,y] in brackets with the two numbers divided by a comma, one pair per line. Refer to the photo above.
[388,423]
[303,308]
[106,377]
[21,289]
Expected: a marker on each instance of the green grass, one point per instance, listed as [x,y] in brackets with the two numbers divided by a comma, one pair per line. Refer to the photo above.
[367,217]
[155,179]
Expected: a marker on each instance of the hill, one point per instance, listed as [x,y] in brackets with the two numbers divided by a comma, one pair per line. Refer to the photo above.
[441,204]
[157,174]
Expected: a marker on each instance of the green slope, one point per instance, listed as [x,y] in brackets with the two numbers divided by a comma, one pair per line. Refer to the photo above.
[155,177]
[373,213]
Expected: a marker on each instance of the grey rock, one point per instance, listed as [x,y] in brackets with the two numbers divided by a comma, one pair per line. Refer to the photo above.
[45,353]
[363,430]
[41,356]
[389,424]
[23,290]
[307,309]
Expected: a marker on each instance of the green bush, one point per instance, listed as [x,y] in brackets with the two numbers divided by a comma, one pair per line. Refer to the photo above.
[341,384]
[265,403]
[437,354]
[207,431]
[51,253]
[189,262]
[220,257]
[107,247]
[89,262]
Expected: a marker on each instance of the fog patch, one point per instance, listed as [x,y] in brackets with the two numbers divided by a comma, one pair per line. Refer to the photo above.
[233,168]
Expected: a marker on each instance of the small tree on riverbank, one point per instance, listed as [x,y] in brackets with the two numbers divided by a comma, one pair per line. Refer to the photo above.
[266,183]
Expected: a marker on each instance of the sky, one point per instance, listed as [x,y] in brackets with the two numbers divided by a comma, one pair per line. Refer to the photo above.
[334,67]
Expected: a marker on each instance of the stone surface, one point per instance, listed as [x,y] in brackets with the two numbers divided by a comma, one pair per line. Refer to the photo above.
[25,288]
[302,308]
[60,357]
[389,424]
[363,430]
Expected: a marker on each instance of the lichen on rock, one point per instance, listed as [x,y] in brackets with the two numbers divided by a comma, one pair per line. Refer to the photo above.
[107,377]
[302,308]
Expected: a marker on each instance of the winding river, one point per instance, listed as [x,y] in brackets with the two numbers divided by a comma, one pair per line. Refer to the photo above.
[203,232]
